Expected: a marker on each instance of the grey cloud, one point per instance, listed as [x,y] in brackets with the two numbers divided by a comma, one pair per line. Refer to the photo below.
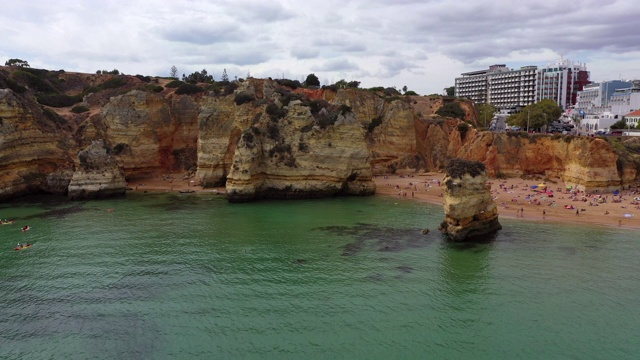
[241,58]
[340,64]
[261,11]
[471,31]
[394,66]
[202,34]
[304,53]
[341,45]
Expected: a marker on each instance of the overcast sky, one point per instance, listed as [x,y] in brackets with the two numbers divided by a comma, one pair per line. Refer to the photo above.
[421,44]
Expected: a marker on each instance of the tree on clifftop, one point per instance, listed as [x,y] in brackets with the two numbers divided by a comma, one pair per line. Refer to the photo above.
[312,80]
[174,72]
[451,91]
[486,112]
[17,62]
[536,115]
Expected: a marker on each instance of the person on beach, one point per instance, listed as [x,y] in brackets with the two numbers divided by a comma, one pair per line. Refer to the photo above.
[577,212]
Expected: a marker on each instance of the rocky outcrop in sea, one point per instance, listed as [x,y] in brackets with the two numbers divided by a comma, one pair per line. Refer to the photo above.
[470,212]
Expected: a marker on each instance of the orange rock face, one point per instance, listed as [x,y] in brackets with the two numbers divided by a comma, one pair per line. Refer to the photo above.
[205,135]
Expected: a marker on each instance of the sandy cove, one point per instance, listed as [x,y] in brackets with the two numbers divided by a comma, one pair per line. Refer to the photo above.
[513,195]
[516,194]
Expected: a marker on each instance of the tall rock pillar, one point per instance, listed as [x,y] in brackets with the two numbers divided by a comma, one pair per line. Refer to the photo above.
[470,212]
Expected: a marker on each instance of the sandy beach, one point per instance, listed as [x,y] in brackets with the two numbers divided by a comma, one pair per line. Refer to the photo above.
[514,194]
[171,183]
[510,196]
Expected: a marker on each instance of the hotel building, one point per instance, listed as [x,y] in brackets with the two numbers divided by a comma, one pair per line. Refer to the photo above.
[509,89]
[561,81]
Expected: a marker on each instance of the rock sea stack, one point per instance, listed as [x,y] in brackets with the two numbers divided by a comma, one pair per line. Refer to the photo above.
[470,212]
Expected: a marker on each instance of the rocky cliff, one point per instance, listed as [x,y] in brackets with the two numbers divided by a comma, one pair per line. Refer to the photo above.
[97,174]
[261,138]
[470,212]
[34,152]
[585,163]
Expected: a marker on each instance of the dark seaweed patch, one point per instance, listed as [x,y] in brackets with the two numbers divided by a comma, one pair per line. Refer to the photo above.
[375,277]
[58,213]
[176,203]
[568,250]
[405,269]
[381,238]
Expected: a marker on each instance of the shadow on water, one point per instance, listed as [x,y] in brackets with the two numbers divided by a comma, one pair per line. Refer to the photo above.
[380,238]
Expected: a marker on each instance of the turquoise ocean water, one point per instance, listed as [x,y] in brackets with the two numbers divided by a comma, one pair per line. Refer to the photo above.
[168,276]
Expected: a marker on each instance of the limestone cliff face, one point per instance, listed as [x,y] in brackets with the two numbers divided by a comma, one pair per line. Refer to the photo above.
[582,162]
[33,156]
[97,174]
[220,124]
[288,152]
[277,142]
[149,133]
[470,212]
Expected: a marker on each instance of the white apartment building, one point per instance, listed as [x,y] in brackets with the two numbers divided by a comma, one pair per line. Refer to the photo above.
[561,81]
[594,98]
[499,85]
[626,100]
[593,123]
[510,89]
[632,119]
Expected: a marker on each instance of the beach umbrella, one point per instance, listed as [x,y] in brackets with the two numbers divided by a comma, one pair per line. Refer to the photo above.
[628,215]
[569,187]
[534,186]
[616,192]
[542,185]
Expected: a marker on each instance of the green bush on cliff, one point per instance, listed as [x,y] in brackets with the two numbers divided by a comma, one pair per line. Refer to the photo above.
[452,110]
[112,83]
[275,112]
[152,88]
[54,117]
[34,82]
[316,105]
[248,138]
[79,109]
[58,100]
[243,98]
[374,124]
[280,149]
[458,167]
[143,78]
[188,89]
[289,96]
[174,84]
[344,109]
[13,85]
[326,119]
[376,89]
[273,132]
[293,84]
